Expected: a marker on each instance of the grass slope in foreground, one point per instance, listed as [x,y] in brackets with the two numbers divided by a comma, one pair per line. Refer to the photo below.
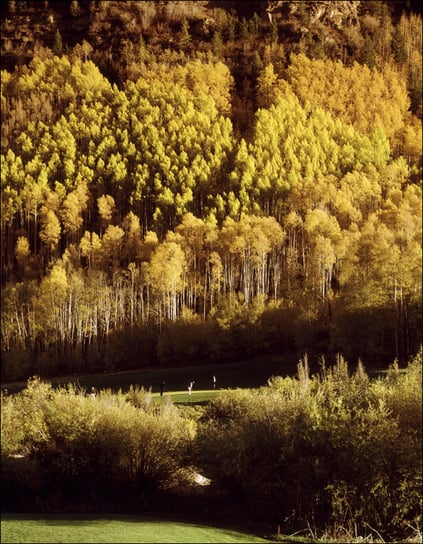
[79,528]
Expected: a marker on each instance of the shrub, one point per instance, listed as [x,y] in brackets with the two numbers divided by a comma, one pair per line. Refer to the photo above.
[87,449]
[333,450]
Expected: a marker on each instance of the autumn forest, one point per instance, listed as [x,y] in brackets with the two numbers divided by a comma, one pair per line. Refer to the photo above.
[186,197]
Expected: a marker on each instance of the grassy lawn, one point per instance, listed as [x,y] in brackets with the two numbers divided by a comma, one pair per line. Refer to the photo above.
[180,397]
[104,528]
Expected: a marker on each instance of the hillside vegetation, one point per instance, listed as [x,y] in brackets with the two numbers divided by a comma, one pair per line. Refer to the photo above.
[335,452]
[193,182]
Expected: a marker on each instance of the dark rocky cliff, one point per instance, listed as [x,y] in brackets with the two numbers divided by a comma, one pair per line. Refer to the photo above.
[28,25]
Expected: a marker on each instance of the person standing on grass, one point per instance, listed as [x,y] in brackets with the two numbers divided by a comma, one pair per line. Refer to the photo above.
[162,386]
[190,385]
[214,381]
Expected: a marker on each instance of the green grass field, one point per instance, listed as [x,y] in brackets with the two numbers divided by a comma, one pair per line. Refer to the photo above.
[180,397]
[104,528]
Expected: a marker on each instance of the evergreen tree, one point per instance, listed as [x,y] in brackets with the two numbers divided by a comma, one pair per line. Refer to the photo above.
[58,43]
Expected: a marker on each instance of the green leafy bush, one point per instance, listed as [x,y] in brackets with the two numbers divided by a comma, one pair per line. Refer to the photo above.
[333,450]
[85,448]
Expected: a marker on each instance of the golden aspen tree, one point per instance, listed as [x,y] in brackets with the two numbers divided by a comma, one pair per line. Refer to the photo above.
[112,247]
[22,252]
[363,191]
[91,248]
[106,209]
[70,214]
[230,248]
[149,245]
[323,235]
[165,273]
[11,205]
[267,88]
[269,256]
[51,309]
[32,198]
[410,144]
[50,229]
[242,176]
[193,233]
[133,239]
[294,250]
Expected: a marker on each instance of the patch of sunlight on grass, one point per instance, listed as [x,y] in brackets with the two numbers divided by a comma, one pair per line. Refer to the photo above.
[117,529]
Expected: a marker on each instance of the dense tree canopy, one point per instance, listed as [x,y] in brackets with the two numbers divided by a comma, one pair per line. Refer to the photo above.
[139,206]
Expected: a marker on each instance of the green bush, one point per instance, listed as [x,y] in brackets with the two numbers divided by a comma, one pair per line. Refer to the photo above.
[333,450]
[87,448]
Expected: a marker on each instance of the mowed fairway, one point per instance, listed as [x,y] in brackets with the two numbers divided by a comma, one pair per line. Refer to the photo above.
[181,397]
[86,528]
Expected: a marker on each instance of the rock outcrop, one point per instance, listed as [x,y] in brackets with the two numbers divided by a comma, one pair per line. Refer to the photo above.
[327,12]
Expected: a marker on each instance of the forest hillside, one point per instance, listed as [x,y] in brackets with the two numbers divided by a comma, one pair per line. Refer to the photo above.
[196,182]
